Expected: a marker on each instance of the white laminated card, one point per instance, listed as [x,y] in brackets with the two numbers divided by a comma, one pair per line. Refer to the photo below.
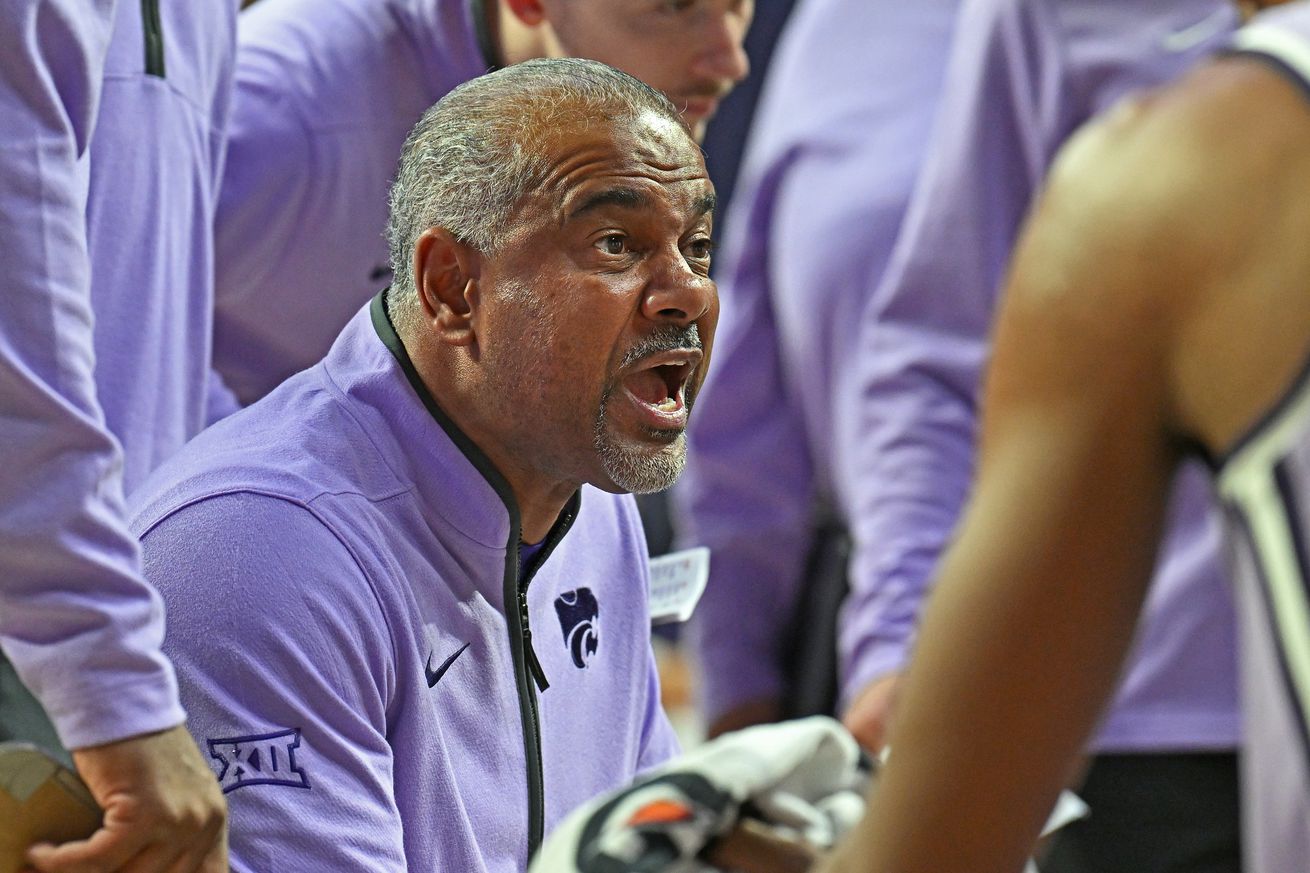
[677,581]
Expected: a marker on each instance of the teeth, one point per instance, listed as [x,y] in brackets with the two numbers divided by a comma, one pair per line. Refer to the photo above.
[668,404]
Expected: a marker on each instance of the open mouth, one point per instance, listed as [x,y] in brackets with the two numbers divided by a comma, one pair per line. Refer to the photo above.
[659,388]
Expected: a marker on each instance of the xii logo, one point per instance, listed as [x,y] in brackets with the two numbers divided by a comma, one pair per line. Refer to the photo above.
[260,759]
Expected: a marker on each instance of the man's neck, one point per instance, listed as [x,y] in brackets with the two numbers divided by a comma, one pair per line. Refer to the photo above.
[540,499]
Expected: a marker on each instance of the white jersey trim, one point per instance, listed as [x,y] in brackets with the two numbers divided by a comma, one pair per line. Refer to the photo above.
[1248,481]
[1278,42]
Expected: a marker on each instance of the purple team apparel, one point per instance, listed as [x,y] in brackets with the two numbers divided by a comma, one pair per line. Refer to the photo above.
[326,92]
[1024,74]
[112,122]
[358,646]
[832,158]
[1265,482]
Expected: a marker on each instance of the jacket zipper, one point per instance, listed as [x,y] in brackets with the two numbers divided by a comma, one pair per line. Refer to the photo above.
[153,27]
[528,670]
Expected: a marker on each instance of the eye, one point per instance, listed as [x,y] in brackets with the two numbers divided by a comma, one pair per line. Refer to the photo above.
[676,6]
[700,249]
[613,244]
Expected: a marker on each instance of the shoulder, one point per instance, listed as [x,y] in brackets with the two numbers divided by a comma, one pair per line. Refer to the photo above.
[260,568]
[1165,230]
[329,61]
[1178,179]
[244,537]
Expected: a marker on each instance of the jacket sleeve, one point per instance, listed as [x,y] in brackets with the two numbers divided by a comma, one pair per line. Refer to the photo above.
[659,743]
[287,668]
[81,627]
[924,336]
[264,178]
[747,492]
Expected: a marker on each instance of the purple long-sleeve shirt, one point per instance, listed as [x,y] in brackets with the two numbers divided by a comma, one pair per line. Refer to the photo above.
[109,147]
[1023,75]
[831,161]
[326,92]
[342,572]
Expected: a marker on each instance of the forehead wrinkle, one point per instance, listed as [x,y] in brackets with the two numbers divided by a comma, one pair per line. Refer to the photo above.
[601,166]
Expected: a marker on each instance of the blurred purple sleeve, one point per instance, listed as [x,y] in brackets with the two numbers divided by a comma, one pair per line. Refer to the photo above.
[81,627]
[757,524]
[924,341]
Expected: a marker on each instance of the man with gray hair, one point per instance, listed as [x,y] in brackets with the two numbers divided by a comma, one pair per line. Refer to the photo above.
[346,563]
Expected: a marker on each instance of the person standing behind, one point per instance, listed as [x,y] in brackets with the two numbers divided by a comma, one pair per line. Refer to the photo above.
[1162,782]
[110,149]
[832,156]
[1156,311]
[327,91]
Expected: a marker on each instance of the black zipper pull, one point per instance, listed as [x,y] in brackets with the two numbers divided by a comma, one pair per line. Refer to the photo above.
[534,664]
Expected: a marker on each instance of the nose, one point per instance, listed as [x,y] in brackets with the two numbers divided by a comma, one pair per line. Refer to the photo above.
[724,57]
[679,295]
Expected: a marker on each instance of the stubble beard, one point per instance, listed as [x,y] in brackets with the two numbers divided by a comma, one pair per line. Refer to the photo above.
[637,469]
[655,463]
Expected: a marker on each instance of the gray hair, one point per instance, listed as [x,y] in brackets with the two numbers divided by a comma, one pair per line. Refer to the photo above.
[474,155]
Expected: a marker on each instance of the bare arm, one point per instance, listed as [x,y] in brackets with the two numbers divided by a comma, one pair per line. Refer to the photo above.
[1128,258]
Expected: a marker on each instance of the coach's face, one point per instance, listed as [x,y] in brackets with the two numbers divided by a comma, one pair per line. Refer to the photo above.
[689,49]
[598,315]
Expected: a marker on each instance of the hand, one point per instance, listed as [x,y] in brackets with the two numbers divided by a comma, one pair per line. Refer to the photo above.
[163,810]
[763,711]
[868,716]
[752,847]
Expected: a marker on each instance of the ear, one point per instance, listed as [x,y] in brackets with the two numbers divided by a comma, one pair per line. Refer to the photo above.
[446,272]
[530,12]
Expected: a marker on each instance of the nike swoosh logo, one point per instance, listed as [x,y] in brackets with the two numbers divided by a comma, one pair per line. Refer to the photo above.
[434,676]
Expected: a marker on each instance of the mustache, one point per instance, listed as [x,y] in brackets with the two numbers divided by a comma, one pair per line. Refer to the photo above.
[666,338]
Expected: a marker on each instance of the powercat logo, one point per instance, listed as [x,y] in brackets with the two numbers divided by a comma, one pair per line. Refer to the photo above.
[579,619]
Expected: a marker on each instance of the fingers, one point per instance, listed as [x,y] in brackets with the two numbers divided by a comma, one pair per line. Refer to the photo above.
[163,810]
[110,851]
[203,857]
[752,848]
[106,849]
[869,715]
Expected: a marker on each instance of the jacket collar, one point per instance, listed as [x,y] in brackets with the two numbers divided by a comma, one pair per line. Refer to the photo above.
[453,476]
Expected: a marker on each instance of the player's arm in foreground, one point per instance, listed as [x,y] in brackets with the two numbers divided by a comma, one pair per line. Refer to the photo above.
[80,625]
[1155,300]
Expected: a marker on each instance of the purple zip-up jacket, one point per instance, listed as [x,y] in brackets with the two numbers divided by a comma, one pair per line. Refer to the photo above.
[110,147]
[326,92]
[831,160]
[342,574]
[1023,75]
[156,163]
